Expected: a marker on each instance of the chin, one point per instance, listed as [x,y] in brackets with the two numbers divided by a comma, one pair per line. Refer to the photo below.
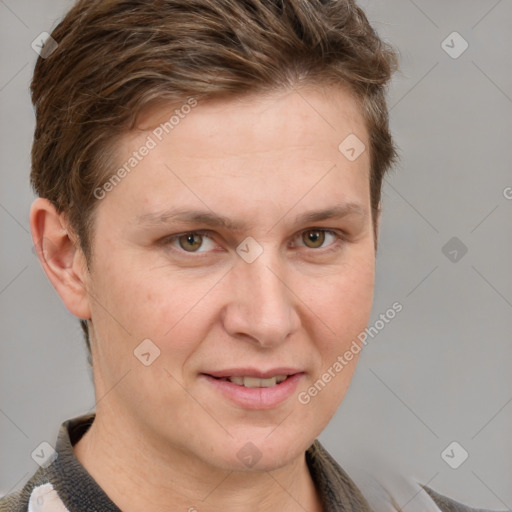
[260,452]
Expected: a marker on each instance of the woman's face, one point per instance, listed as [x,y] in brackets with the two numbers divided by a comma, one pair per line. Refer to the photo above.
[239,243]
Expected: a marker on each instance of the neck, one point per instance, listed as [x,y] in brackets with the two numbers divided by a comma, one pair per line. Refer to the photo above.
[141,475]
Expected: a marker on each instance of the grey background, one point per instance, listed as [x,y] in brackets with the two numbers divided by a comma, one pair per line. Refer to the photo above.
[440,371]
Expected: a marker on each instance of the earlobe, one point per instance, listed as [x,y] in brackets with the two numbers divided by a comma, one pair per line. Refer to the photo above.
[60,256]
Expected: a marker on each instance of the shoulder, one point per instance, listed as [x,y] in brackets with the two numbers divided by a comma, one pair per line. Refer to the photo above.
[388,490]
[55,481]
[448,505]
[13,503]
[38,494]
[337,491]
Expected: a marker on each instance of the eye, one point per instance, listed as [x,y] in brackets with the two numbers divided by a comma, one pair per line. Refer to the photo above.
[199,242]
[315,238]
[192,242]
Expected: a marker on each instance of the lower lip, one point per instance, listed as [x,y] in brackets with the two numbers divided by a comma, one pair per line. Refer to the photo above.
[256,398]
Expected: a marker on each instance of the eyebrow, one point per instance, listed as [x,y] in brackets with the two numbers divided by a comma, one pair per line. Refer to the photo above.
[213,220]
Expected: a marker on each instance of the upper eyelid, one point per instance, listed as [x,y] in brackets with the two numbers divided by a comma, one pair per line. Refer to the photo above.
[337,233]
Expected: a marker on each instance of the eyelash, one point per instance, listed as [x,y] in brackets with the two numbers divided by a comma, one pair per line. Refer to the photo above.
[340,237]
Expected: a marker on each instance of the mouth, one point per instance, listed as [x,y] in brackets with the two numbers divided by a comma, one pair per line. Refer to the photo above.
[254,382]
[253,389]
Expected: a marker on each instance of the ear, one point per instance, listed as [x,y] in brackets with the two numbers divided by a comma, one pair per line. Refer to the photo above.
[60,256]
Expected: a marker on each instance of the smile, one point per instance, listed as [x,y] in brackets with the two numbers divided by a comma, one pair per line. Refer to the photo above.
[254,393]
[254,382]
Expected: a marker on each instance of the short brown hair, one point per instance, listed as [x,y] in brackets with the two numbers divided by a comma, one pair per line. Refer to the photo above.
[117,57]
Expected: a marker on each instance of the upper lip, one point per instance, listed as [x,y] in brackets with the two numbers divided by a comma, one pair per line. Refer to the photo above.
[254,372]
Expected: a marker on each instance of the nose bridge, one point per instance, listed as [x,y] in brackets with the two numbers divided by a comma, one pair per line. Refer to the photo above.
[262,306]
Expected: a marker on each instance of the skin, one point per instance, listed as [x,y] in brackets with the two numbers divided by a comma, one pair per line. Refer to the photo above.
[162,435]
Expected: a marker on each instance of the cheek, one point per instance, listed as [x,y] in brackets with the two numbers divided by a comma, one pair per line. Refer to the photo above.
[355,291]
[344,302]
[347,292]
[170,309]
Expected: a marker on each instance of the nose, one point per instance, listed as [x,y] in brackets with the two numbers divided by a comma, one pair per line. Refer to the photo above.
[262,306]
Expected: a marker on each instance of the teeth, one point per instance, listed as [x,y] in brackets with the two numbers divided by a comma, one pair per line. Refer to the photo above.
[253,382]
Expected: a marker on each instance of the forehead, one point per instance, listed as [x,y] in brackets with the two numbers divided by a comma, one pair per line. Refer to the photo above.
[258,149]
[328,108]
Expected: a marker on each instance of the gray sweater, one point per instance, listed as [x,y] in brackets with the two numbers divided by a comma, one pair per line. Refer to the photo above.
[65,486]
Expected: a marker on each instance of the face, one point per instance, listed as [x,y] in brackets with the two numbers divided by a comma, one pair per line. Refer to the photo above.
[240,245]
